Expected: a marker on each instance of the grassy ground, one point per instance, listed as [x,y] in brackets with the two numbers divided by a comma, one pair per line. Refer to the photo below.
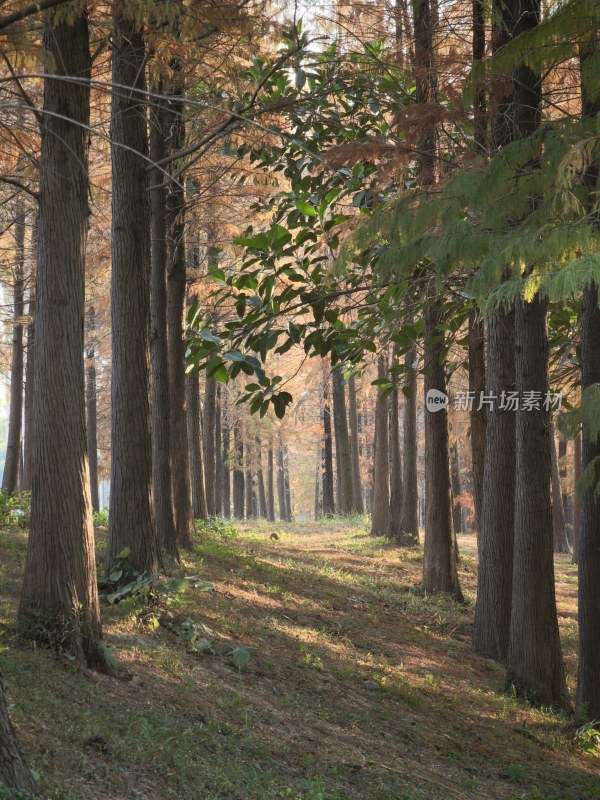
[357,686]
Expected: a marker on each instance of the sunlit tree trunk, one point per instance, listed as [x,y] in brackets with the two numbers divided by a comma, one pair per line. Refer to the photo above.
[328,496]
[209,418]
[238,471]
[560,541]
[395,513]
[270,485]
[194,444]
[353,420]
[91,407]
[342,444]
[381,464]
[409,525]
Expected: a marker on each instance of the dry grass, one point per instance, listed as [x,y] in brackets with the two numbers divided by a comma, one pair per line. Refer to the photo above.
[358,686]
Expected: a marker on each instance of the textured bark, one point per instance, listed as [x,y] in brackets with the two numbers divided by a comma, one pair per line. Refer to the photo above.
[192,388]
[381,463]
[496,529]
[249,487]
[14,772]
[210,413]
[131,517]
[159,359]
[281,484]
[342,444]
[328,496]
[535,666]
[29,395]
[577,457]
[455,485]
[225,460]
[286,481]
[588,678]
[15,418]
[91,407]
[176,299]
[238,472]
[395,513]
[353,420]
[218,457]
[260,482]
[559,529]
[409,524]
[270,486]
[439,558]
[477,416]
[59,599]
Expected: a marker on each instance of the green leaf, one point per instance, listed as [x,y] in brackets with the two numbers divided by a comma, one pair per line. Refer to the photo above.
[241,656]
[306,208]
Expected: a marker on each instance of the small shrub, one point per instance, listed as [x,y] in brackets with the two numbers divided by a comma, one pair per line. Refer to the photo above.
[587,738]
[101,518]
[218,528]
[15,509]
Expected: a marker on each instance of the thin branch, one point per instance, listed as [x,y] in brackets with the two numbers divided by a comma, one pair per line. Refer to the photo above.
[28,11]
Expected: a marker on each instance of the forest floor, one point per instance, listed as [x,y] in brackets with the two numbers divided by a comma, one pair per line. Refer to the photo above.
[358,686]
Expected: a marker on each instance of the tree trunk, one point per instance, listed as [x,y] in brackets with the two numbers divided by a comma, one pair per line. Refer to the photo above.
[210,413]
[286,481]
[249,486]
[559,529]
[328,496]
[409,525]
[15,419]
[29,394]
[225,460]
[395,512]
[439,558]
[455,484]
[238,472]
[91,408]
[14,772]
[270,486]
[353,419]
[218,457]
[260,480]
[342,444]
[535,666]
[59,585]
[159,358]
[588,551]
[577,455]
[477,415]
[192,387]
[562,476]
[131,518]
[281,483]
[381,463]
[496,530]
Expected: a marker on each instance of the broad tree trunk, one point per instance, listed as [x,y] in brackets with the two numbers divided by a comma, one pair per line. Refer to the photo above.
[455,484]
[477,415]
[409,524]
[496,529]
[15,419]
[14,772]
[440,558]
[534,666]
[353,420]
[559,529]
[342,444]
[59,585]
[159,358]
[91,407]
[270,485]
[577,456]
[328,496]
[395,511]
[192,388]
[131,518]
[381,463]
[210,414]
[238,471]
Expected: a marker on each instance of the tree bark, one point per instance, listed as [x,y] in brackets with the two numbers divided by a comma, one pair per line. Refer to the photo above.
[286,480]
[342,444]
[210,413]
[577,456]
[218,456]
[395,512]
[15,419]
[29,393]
[238,471]
[559,529]
[131,518]
[281,483]
[226,457]
[14,772]
[455,485]
[439,558]
[59,585]
[477,415]
[192,388]
[270,486]
[534,666]
[409,525]
[381,463]
[328,496]
[260,481]
[353,419]
[159,358]
[91,407]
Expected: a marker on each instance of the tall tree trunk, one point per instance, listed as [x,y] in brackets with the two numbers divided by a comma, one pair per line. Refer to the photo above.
[176,299]
[381,462]
[29,394]
[159,358]
[210,413]
[353,420]
[15,419]
[218,457]
[286,480]
[535,665]
[477,415]
[192,388]
[225,458]
[14,772]
[59,584]
[328,496]
[342,444]
[270,485]
[395,512]
[559,535]
[409,524]
[440,558]
[131,518]
[91,407]
[455,485]
[577,456]
[238,471]
[260,480]
[249,486]
[562,476]
[281,483]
